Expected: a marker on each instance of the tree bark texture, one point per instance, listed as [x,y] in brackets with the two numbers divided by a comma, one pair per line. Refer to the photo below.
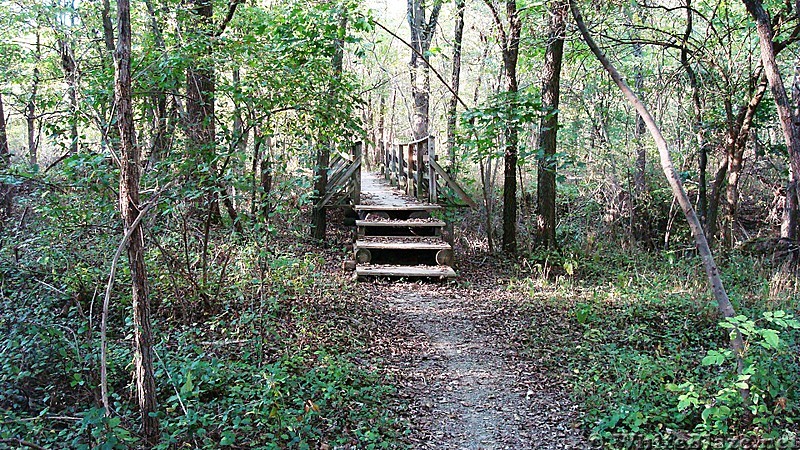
[510,57]
[129,208]
[719,293]
[509,44]
[452,107]
[548,142]
[318,217]
[790,122]
[421,35]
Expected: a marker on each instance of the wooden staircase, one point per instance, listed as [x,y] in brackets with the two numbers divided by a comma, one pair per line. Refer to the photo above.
[395,233]
[401,241]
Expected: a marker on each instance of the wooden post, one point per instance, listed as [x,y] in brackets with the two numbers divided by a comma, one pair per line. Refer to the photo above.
[433,188]
[420,150]
[396,151]
[356,194]
[379,157]
[398,164]
[388,163]
[410,169]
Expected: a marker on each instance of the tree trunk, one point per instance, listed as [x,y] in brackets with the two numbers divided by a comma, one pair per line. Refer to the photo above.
[318,219]
[452,109]
[788,119]
[421,35]
[6,193]
[161,120]
[129,208]
[5,154]
[639,182]
[200,91]
[71,79]
[510,57]
[110,134]
[30,108]
[699,129]
[548,142]
[724,304]
[789,222]
[381,133]
[790,213]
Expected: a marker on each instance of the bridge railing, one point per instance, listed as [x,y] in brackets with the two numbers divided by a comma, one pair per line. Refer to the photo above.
[344,178]
[413,167]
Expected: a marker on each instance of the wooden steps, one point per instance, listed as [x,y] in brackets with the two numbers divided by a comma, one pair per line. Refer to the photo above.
[393,271]
[401,243]
[393,223]
[397,237]
[398,207]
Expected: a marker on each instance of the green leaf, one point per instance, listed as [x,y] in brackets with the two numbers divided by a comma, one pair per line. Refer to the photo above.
[188,386]
[228,438]
[771,338]
[713,358]
[707,412]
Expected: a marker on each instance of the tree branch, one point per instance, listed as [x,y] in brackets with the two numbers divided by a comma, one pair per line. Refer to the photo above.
[228,17]
[419,54]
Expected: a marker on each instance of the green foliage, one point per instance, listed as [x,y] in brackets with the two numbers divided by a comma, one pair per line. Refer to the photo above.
[650,365]
[768,374]
[257,353]
[483,127]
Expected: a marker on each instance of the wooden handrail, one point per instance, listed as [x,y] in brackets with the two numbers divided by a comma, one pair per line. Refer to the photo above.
[334,188]
[453,185]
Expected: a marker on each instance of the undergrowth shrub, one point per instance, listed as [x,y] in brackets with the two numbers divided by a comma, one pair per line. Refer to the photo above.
[650,364]
[252,343]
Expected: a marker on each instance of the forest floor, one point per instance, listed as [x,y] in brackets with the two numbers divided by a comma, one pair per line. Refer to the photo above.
[456,352]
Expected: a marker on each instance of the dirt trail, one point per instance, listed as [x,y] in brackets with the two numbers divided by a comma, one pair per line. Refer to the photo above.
[468,386]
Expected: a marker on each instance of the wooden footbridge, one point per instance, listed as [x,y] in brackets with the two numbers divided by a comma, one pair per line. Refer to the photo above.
[397,210]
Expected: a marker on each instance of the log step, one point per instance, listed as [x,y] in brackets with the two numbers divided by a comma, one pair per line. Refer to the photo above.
[405,271]
[397,208]
[401,243]
[400,223]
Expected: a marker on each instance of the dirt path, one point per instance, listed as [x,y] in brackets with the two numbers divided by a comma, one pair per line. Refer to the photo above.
[466,383]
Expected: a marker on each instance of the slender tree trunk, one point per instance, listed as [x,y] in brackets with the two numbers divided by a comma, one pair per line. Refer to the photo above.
[421,35]
[71,79]
[639,182]
[548,142]
[452,109]
[5,154]
[510,57]
[110,134]
[509,41]
[714,199]
[200,108]
[129,207]
[789,224]
[790,122]
[318,219]
[6,191]
[369,122]
[381,132]
[266,179]
[790,213]
[699,129]
[30,108]
[161,132]
[724,304]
